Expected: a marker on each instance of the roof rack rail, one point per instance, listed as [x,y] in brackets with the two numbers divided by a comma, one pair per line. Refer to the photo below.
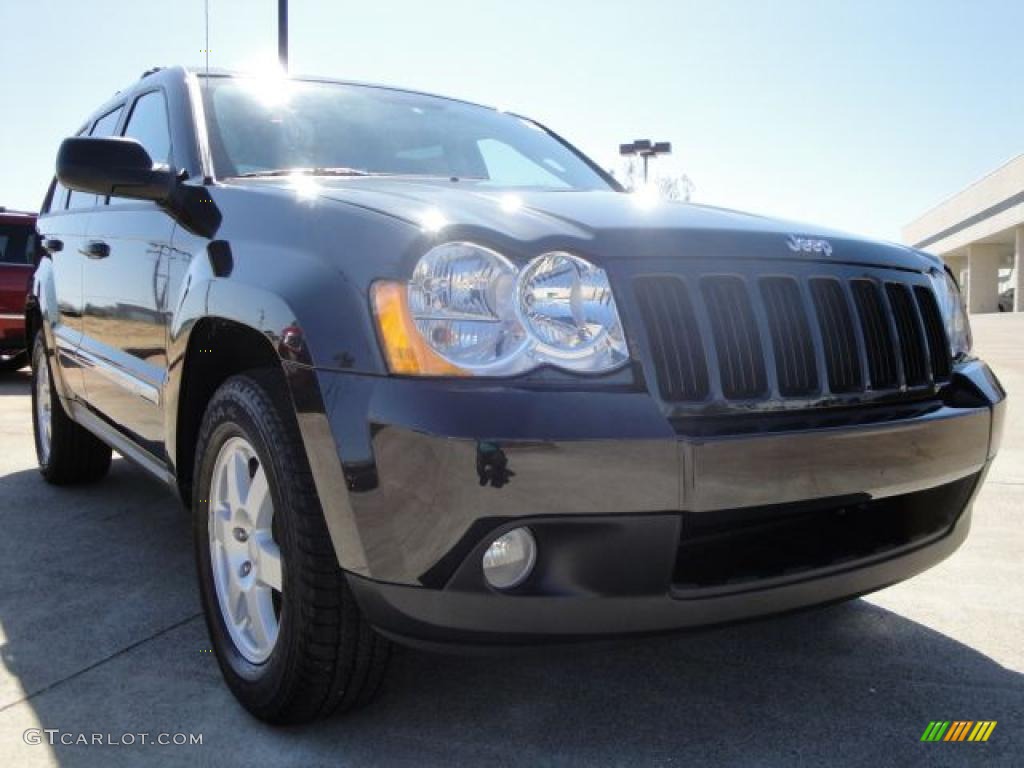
[149,72]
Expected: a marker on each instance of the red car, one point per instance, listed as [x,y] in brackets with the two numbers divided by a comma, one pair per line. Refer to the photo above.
[17,262]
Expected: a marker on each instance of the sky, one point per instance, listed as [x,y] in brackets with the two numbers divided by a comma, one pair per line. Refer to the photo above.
[854,114]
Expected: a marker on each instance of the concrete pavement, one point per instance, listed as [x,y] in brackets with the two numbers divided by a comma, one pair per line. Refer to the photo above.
[100,633]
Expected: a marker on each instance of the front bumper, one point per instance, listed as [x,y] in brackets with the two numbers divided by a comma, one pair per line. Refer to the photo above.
[431,472]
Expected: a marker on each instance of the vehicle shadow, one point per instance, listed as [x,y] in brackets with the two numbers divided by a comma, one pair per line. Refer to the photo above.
[846,685]
[99,613]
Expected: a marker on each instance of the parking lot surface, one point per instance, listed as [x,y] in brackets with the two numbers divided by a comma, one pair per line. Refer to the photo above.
[100,633]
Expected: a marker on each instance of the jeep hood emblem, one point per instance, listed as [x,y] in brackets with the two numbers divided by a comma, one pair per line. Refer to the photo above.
[808,245]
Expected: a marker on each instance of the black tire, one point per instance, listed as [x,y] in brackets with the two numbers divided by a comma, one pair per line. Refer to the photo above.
[15,362]
[326,657]
[75,455]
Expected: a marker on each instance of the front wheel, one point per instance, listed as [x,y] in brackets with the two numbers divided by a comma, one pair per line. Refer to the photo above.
[290,640]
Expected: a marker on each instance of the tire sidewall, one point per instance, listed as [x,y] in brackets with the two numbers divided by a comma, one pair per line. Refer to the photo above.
[234,416]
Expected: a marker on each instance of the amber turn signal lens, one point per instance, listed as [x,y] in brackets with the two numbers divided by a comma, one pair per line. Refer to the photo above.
[404,348]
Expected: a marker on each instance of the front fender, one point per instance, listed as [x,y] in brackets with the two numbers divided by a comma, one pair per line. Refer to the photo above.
[42,309]
[204,296]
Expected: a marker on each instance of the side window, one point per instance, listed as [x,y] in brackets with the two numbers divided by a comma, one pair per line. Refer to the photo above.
[148,125]
[59,198]
[105,126]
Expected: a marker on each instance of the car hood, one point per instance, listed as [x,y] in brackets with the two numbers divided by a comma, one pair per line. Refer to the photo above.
[601,223]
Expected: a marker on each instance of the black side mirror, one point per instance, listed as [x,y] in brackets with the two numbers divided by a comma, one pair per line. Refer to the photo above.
[115,166]
[121,167]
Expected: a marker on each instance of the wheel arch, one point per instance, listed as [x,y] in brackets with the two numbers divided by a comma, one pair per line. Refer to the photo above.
[217,348]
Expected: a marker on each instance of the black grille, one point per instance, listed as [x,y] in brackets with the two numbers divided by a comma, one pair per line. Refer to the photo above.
[791,336]
[911,339]
[874,324]
[837,335]
[935,330]
[873,334]
[737,339]
[676,345]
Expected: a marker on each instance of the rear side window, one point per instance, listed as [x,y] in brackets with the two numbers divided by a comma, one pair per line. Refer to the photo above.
[148,125]
[59,199]
[105,126]
[15,244]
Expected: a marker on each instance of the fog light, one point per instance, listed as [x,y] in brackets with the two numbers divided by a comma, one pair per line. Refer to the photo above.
[510,558]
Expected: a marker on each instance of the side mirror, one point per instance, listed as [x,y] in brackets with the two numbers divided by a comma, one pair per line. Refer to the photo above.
[115,166]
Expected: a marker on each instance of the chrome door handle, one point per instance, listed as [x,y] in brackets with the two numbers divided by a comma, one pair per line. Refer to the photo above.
[97,249]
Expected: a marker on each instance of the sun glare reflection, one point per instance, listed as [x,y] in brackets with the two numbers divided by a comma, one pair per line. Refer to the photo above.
[305,187]
[511,203]
[433,220]
[268,83]
[645,197]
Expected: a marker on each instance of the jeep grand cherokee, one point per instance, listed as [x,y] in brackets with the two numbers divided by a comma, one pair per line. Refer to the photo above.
[423,372]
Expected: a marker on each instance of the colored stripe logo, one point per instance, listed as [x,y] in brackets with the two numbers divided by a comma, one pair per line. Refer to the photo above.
[958,730]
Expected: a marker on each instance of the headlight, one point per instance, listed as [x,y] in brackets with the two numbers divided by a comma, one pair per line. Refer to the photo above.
[468,311]
[951,303]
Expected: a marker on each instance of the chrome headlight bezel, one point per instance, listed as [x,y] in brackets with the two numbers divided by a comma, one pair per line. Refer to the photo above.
[954,313]
[476,313]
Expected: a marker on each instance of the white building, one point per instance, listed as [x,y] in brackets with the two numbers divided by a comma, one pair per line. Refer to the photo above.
[979,233]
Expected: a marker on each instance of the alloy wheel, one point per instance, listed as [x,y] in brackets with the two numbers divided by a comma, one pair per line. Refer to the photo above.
[245,558]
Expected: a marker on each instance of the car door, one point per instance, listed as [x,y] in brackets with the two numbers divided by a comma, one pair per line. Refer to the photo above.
[124,288]
[62,225]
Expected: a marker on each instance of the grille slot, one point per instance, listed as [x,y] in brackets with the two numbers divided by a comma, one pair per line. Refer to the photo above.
[737,338]
[935,331]
[842,360]
[791,336]
[877,334]
[677,350]
[911,341]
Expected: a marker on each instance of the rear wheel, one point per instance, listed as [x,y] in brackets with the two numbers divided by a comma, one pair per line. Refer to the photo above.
[67,452]
[290,640]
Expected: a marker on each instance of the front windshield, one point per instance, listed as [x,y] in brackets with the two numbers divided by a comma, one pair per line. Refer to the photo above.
[260,126]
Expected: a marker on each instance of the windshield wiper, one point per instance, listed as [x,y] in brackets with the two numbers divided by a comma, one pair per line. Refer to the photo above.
[303,172]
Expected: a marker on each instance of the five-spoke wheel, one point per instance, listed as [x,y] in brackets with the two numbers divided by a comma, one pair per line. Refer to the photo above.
[289,637]
[245,557]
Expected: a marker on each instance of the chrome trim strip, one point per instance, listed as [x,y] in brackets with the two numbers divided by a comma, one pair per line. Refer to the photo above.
[194,86]
[119,376]
[11,316]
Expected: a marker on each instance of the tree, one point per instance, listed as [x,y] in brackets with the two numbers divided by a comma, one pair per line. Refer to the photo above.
[669,183]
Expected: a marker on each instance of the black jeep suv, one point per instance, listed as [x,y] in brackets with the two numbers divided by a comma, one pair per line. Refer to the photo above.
[423,372]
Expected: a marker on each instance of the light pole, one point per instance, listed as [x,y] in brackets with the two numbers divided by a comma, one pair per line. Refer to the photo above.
[282,33]
[646,149]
